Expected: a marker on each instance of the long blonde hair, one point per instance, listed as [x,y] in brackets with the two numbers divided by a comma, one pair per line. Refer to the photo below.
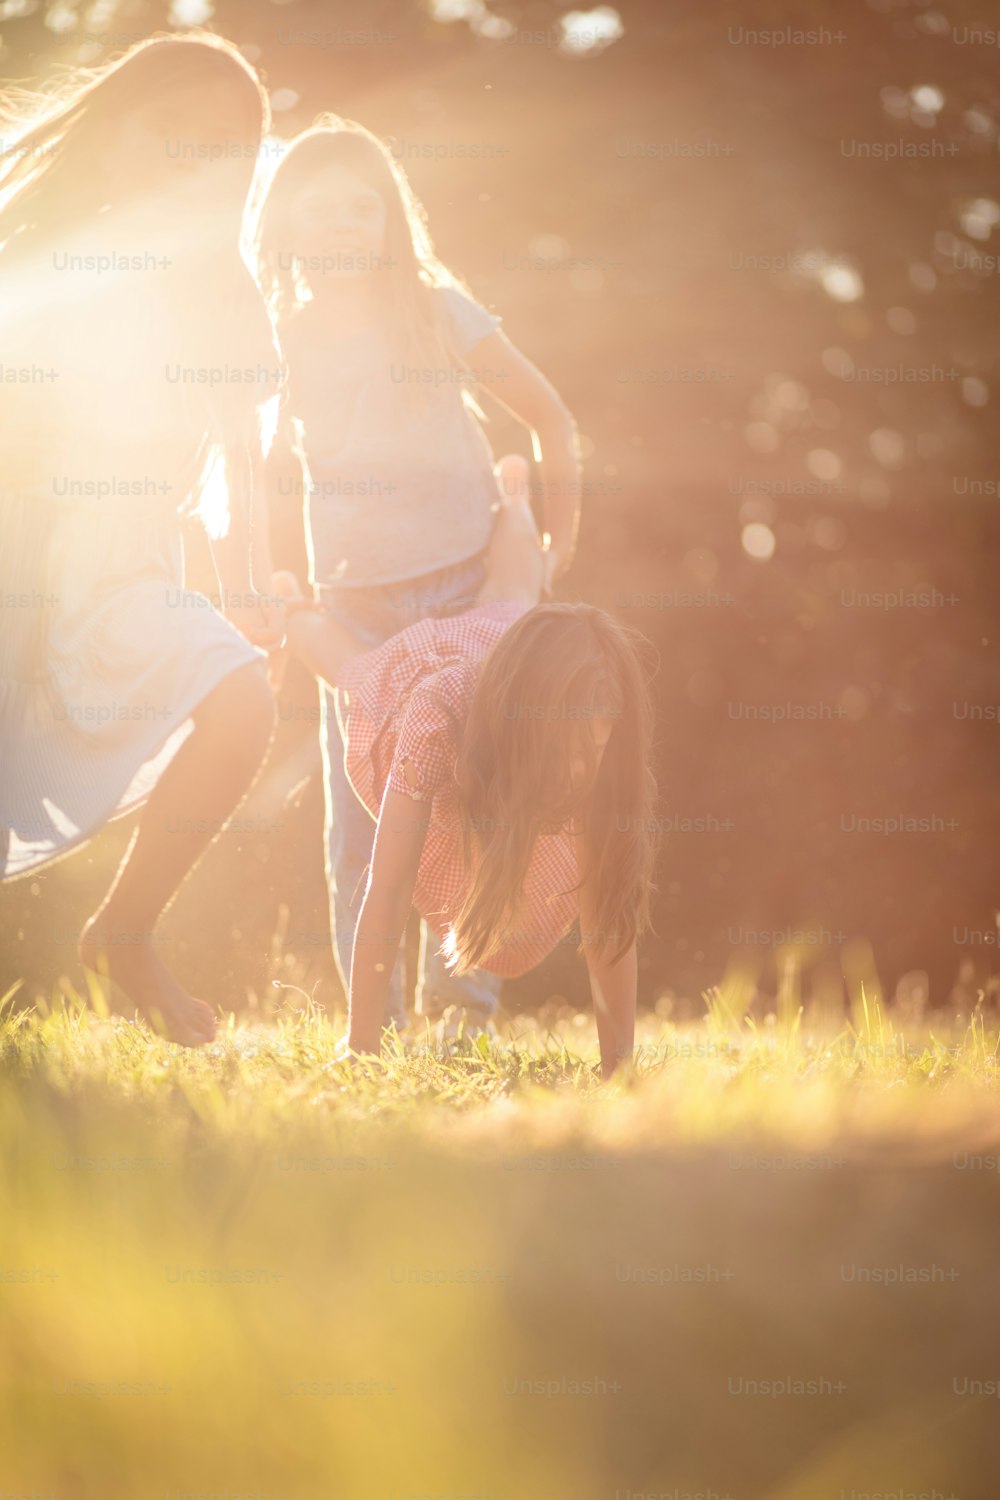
[52,188]
[549,676]
[413,271]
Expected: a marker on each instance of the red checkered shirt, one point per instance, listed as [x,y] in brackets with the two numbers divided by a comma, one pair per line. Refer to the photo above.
[403,706]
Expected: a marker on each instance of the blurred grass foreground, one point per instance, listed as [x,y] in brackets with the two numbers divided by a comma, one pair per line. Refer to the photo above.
[762,1265]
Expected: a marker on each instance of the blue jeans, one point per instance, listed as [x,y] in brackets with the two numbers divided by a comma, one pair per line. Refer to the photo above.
[373,615]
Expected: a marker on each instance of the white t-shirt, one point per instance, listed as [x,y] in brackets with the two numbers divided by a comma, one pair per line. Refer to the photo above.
[393,493]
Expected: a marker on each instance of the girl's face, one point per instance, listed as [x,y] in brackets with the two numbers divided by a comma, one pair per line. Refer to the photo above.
[337,224]
[183,144]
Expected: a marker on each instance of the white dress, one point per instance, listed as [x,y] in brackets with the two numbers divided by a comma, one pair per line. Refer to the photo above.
[103,652]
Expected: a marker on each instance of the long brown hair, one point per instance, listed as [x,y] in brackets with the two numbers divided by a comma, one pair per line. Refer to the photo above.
[52,168]
[559,667]
[54,191]
[53,188]
[413,270]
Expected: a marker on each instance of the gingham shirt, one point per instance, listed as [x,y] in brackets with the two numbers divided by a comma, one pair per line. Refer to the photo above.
[403,706]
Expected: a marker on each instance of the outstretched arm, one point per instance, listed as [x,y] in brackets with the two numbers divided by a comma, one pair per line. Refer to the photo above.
[613,987]
[399,842]
[612,984]
[511,378]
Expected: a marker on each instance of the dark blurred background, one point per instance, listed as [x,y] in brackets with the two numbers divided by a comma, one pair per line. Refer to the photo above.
[755,247]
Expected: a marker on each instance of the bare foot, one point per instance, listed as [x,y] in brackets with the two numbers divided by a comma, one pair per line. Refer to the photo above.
[145,983]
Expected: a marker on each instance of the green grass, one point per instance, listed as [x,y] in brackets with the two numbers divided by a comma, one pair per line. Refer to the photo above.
[254,1270]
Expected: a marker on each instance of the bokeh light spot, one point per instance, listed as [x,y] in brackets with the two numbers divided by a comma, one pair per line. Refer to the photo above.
[887,447]
[282,99]
[549,247]
[837,361]
[926,97]
[61,19]
[190,12]
[841,282]
[923,276]
[979,217]
[792,395]
[591,30]
[901,320]
[823,463]
[979,120]
[758,541]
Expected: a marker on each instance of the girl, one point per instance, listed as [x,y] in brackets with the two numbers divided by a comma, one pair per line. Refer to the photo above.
[147,354]
[505,754]
[384,348]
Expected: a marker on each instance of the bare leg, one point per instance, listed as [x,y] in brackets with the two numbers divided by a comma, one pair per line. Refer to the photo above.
[515,562]
[200,788]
